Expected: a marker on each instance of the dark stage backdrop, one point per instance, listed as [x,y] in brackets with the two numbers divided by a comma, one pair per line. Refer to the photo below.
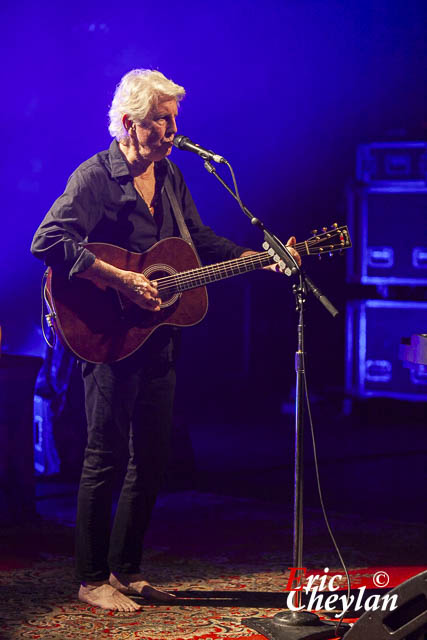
[285,90]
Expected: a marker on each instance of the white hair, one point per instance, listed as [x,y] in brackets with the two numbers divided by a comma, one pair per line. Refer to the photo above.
[137,93]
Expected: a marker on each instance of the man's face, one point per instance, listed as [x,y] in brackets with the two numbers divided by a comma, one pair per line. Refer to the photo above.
[156,133]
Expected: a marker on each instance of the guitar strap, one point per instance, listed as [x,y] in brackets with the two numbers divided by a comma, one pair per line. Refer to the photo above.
[177,211]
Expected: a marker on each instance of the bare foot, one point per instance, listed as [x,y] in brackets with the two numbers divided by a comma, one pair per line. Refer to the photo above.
[107,597]
[134,584]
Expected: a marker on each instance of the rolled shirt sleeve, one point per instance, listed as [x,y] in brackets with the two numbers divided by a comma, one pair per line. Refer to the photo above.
[59,240]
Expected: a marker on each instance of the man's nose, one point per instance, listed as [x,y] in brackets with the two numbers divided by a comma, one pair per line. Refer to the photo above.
[172,128]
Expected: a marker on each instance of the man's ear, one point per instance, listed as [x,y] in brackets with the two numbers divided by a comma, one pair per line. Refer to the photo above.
[127,122]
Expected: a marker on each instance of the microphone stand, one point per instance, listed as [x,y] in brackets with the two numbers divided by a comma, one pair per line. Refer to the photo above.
[294,625]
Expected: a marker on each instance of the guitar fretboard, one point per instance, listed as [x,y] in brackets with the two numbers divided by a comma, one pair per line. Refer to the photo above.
[212,273]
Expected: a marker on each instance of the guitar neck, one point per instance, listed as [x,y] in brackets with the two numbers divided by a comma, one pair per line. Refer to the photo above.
[213,273]
[327,242]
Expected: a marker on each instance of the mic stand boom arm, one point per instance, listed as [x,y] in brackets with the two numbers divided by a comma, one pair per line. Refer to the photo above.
[272,244]
[275,247]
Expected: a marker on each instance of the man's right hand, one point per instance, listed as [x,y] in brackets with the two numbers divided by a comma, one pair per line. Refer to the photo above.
[135,286]
[141,291]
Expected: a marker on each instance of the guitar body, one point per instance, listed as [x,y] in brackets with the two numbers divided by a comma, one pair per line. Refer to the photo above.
[100,325]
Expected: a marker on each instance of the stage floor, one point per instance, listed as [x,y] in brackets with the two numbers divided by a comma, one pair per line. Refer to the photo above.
[225,558]
[221,534]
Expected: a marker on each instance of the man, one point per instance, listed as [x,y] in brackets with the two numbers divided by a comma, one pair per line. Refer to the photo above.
[119,196]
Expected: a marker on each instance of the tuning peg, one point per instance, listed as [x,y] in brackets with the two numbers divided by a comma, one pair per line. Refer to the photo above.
[314,231]
[334,226]
[324,229]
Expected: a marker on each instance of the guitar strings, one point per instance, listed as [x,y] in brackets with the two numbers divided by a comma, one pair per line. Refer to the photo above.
[209,273]
[204,275]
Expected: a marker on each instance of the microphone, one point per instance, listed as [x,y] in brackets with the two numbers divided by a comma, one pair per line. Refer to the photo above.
[184,143]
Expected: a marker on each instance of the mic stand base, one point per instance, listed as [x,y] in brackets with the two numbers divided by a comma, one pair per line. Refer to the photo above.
[296,625]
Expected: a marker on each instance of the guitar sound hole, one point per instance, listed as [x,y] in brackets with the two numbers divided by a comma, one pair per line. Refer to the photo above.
[156,272]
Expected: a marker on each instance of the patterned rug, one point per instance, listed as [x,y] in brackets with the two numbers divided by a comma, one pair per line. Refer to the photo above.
[220,568]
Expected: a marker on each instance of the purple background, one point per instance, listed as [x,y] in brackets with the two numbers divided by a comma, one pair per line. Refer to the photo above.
[285,90]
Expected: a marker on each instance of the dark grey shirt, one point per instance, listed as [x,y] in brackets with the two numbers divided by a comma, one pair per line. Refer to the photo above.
[100,204]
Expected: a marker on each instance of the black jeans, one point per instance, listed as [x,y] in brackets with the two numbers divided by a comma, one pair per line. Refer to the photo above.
[128,403]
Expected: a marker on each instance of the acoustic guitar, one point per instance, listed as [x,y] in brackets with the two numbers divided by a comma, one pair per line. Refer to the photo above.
[99,324]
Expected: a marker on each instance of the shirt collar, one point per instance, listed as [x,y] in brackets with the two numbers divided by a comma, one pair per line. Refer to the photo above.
[119,167]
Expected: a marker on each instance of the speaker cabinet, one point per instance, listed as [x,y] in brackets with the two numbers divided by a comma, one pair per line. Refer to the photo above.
[374,331]
[408,621]
[389,232]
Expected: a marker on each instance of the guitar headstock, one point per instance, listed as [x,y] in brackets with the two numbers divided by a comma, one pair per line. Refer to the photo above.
[329,240]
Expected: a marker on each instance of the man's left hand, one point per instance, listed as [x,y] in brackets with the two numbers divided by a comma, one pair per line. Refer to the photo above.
[275,267]
[290,243]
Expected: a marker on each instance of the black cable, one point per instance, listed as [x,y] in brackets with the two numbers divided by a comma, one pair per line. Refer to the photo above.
[236,190]
[45,306]
[319,489]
